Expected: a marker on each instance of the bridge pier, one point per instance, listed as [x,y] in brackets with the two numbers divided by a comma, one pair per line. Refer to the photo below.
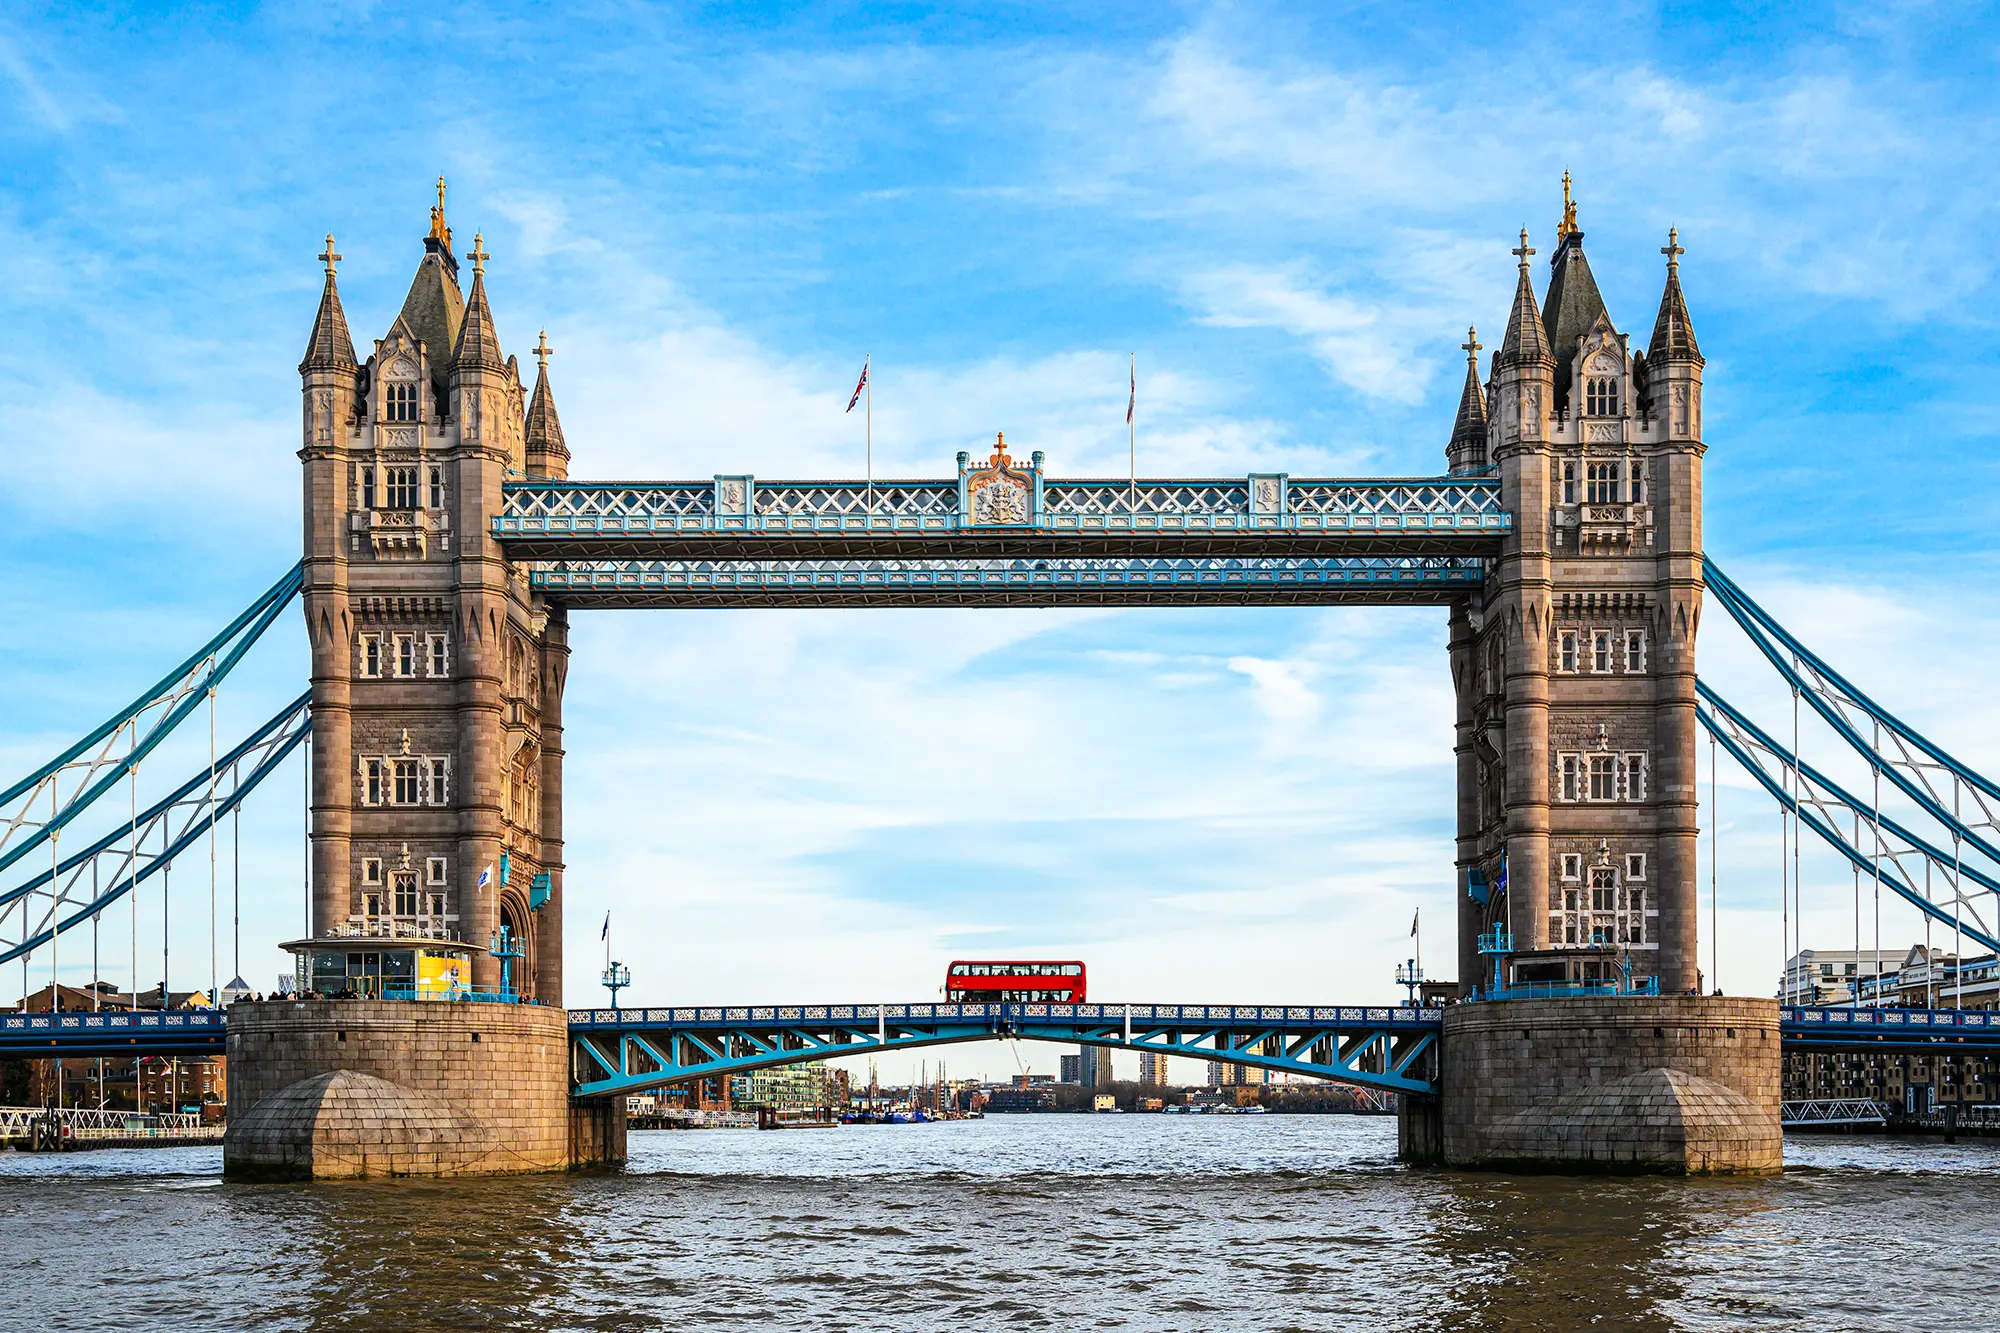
[1677,1085]
[332,1089]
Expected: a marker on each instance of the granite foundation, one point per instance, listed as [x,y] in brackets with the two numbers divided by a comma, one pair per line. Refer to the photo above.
[333,1089]
[1682,1085]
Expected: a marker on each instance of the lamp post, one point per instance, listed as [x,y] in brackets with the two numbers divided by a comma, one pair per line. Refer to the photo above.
[617,977]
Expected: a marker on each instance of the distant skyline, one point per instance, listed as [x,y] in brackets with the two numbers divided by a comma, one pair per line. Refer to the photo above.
[1289,214]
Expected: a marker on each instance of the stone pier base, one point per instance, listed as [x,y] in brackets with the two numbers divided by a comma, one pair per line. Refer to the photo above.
[1629,1084]
[326,1089]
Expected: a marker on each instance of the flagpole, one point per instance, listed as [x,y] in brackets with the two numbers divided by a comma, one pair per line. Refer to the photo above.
[868,386]
[1132,437]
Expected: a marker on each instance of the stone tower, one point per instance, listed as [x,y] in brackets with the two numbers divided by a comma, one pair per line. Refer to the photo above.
[1574,669]
[437,675]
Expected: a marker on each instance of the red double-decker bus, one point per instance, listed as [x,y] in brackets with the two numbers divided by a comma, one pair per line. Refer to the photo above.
[1031,983]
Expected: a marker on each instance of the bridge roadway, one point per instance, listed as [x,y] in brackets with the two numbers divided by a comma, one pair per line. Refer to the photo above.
[628,1050]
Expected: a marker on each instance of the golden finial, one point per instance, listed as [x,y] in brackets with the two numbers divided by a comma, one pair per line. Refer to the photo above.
[543,352]
[328,257]
[1569,227]
[1000,458]
[439,231]
[477,254]
[1471,345]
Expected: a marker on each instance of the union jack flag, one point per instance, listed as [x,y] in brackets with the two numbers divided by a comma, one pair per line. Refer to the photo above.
[859,385]
[1131,402]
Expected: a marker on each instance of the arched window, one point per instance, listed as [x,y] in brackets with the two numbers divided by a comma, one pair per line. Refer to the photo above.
[1600,398]
[399,402]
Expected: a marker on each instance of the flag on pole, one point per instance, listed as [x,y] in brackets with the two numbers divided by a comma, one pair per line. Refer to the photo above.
[486,877]
[1132,403]
[1413,920]
[859,385]
[606,933]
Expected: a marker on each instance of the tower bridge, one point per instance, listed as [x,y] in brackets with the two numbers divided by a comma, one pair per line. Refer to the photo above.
[446,546]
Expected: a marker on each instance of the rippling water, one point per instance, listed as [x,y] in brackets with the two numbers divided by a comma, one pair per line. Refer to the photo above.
[1071,1222]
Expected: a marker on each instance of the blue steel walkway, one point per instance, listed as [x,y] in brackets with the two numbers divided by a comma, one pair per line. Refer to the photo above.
[628,1050]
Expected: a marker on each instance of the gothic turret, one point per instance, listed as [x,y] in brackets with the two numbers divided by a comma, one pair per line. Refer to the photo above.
[1524,369]
[331,347]
[548,456]
[1673,359]
[1467,450]
[478,343]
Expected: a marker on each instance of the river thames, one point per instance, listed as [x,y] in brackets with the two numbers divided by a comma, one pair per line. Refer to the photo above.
[1072,1222]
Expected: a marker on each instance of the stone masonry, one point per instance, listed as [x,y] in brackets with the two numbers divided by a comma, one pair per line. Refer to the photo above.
[330,1088]
[1574,667]
[1676,1084]
[437,675]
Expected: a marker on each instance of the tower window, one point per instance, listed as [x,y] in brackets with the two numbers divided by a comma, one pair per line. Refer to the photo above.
[399,403]
[1603,777]
[440,656]
[1635,650]
[1632,778]
[1572,785]
[406,893]
[371,870]
[1635,865]
[1569,483]
[371,774]
[1567,650]
[406,655]
[407,790]
[371,655]
[1601,397]
[1572,865]
[1601,483]
[367,488]
[437,488]
[434,870]
[440,773]
[402,485]
[1600,650]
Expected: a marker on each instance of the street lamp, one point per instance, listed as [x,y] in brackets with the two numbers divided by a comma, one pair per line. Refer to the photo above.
[617,977]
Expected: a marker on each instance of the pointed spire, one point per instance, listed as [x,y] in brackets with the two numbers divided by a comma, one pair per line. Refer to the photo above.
[478,345]
[1472,399]
[544,427]
[331,347]
[1525,343]
[1573,304]
[1673,333]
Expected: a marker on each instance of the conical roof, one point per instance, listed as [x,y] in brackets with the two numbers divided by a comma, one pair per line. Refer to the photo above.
[1526,342]
[478,344]
[331,347]
[1673,332]
[544,427]
[1572,309]
[1468,431]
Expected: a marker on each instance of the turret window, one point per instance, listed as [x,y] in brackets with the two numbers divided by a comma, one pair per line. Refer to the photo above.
[1602,481]
[1600,397]
[402,486]
[367,488]
[399,402]
[437,488]
[1569,483]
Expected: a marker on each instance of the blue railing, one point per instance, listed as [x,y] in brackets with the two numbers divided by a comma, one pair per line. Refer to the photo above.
[475,994]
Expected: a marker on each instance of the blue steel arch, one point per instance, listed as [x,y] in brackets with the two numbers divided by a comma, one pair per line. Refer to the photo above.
[630,1050]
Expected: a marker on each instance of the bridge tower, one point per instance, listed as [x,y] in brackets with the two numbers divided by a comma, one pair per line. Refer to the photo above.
[1575,667]
[437,677]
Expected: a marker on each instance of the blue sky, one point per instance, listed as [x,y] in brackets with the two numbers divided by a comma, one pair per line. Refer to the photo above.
[1290,213]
